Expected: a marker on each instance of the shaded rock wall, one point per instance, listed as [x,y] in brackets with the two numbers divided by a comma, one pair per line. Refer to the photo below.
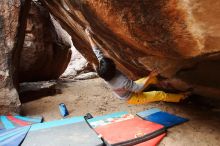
[12,26]
[46,52]
[178,38]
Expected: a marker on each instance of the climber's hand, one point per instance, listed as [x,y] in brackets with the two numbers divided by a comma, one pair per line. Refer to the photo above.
[153,73]
[88,31]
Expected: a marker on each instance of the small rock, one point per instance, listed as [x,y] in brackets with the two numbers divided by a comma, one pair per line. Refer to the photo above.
[85,76]
[33,90]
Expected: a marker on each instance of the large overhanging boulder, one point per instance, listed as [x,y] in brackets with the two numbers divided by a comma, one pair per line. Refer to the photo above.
[179,38]
[46,51]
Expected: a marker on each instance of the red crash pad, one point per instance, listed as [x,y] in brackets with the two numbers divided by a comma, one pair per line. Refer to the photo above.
[132,131]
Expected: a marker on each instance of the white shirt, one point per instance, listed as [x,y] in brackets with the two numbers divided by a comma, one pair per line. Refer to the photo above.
[120,84]
[123,87]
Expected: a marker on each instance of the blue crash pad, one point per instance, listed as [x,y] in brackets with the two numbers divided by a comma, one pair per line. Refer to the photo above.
[13,137]
[148,112]
[10,122]
[166,119]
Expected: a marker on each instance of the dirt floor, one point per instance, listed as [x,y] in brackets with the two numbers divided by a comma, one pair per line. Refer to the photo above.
[81,97]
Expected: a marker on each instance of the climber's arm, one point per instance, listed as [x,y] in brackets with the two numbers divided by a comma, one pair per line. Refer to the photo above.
[136,87]
[95,48]
[91,41]
[148,80]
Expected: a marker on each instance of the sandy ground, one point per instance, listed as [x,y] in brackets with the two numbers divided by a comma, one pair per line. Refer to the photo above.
[95,97]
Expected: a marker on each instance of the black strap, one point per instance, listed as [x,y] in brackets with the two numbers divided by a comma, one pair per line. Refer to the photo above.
[141,139]
[87,117]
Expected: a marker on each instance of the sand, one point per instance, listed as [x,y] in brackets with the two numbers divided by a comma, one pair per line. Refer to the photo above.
[93,96]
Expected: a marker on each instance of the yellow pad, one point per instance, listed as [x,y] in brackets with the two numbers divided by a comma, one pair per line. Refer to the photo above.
[147,97]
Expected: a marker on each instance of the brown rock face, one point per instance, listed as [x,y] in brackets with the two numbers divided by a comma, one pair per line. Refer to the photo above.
[46,52]
[11,26]
[181,39]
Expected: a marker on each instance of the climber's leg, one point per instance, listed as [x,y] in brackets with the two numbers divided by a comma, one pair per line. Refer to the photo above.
[147,97]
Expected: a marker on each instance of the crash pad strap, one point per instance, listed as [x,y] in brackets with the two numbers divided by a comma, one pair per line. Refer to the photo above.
[144,138]
[36,120]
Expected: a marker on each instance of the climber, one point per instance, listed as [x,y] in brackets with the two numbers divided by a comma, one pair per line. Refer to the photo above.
[125,88]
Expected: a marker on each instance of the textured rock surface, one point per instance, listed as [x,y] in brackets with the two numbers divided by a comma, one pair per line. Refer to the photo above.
[179,38]
[9,52]
[46,52]
[77,65]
